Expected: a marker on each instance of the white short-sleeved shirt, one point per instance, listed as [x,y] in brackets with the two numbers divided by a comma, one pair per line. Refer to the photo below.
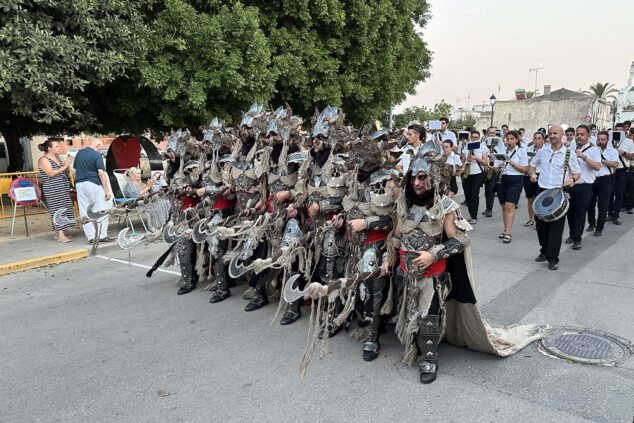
[550,166]
[454,161]
[588,175]
[448,135]
[476,168]
[610,155]
[628,146]
[518,156]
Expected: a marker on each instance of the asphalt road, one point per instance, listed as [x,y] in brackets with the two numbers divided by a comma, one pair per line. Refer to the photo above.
[96,340]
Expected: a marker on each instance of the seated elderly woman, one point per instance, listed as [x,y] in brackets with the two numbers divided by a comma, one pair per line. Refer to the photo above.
[157,213]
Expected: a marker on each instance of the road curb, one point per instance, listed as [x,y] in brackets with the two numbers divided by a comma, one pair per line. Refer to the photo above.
[20,266]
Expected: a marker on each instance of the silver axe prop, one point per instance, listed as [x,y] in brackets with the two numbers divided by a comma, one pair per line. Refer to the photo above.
[292,293]
[127,243]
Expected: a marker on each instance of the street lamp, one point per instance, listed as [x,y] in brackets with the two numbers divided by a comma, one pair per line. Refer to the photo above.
[492,101]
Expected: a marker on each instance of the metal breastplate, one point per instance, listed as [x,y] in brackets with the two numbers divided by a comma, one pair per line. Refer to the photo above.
[418,233]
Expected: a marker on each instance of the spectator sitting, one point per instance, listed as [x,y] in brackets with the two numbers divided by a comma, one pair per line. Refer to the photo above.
[156,214]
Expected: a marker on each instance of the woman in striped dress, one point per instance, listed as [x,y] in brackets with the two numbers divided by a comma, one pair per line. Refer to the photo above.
[56,185]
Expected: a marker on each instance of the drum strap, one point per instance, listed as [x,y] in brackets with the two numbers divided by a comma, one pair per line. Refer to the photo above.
[566,160]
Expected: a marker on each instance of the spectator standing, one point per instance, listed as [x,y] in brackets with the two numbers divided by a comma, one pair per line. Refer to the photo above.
[56,185]
[92,187]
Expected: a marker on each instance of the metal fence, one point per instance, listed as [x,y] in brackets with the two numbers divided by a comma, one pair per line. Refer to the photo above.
[6,203]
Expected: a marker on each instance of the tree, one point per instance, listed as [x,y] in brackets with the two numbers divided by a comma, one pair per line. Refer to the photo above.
[467,121]
[532,94]
[422,114]
[603,91]
[50,54]
[207,58]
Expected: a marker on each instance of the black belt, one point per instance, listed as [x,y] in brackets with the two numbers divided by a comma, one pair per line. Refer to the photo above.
[604,176]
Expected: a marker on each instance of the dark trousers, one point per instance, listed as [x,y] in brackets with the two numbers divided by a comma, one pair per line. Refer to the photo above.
[490,187]
[600,198]
[580,196]
[549,235]
[471,187]
[629,190]
[616,197]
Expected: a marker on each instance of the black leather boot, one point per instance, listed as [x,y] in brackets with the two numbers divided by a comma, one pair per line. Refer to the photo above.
[260,299]
[428,338]
[222,291]
[293,312]
[371,345]
[185,252]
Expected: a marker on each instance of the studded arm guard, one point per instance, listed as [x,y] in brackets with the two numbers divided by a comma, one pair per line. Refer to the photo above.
[378,222]
[448,248]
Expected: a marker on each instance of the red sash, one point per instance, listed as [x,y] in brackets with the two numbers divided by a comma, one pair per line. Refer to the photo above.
[188,202]
[222,203]
[435,268]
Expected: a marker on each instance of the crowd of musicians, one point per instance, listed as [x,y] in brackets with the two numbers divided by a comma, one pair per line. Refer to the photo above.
[598,180]
[361,223]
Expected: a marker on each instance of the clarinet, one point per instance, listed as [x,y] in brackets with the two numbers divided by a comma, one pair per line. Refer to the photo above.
[502,170]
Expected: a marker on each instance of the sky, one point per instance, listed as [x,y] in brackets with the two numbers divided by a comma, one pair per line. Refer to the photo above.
[485,47]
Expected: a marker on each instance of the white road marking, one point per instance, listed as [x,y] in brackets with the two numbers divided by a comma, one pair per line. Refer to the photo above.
[171,272]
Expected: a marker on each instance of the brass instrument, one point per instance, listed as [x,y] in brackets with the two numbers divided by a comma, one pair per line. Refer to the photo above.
[467,166]
[491,165]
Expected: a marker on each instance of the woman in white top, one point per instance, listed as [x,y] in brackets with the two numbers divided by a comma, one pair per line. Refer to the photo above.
[456,164]
[510,184]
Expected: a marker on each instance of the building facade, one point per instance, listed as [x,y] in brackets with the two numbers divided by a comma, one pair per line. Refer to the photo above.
[562,107]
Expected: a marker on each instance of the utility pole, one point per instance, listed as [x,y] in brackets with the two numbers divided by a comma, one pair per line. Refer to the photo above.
[536,70]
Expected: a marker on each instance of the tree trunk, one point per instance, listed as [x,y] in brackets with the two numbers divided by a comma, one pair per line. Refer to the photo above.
[12,137]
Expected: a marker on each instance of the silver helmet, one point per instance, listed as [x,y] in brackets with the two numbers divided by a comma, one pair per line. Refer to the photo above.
[425,157]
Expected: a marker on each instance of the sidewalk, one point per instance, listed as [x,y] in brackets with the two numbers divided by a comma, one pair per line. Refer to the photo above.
[41,248]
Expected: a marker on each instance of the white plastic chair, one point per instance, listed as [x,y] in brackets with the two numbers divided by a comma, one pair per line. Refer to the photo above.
[119,174]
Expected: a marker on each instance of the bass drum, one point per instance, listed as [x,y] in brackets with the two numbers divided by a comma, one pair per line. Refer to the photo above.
[551,205]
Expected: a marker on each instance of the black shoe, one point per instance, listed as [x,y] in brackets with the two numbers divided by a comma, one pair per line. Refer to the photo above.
[616,221]
[427,371]
[629,211]
[590,228]
[258,301]
[569,240]
[576,245]
[186,289]
[540,258]
[371,350]
[106,239]
[290,316]
[484,213]
[332,331]
[219,295]
[487,213]
[552,265]
[598,232]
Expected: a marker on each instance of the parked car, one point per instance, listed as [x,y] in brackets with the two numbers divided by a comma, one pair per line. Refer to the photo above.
[72,152]
[104,152]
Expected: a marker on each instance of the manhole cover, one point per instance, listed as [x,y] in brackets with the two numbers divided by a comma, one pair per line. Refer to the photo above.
[586,346]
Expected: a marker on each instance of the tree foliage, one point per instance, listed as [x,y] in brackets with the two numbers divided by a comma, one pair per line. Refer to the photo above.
[207,58]
[602,90]
[421,114]
[118,65]
[51,52]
